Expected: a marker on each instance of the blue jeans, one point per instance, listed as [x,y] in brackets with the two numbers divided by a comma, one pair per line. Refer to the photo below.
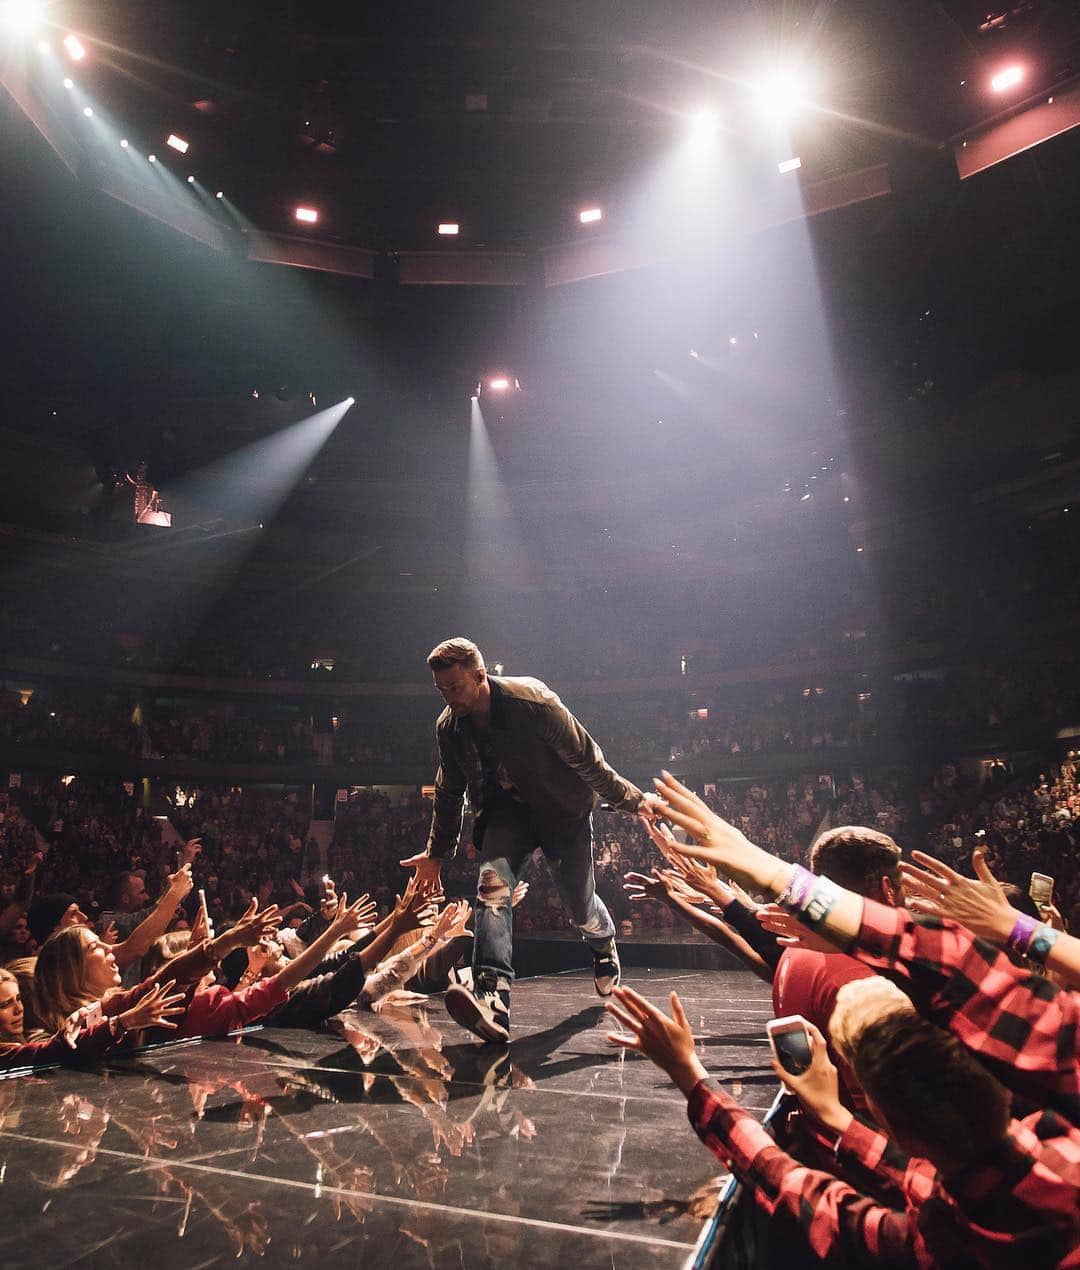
[510,836]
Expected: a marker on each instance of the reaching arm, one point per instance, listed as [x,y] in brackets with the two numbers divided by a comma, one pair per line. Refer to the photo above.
[559,729]
[347,917]
[399,969]
[137,944]
[834,1217]
[660,887]
[1022,1025]
[981,905]
[448,807]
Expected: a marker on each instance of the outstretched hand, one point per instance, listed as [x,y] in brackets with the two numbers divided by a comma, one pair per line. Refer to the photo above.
[453,921]
[253,926]
[978,903]
[428,872]
[157,1006]
[347,917]
[669,1042]
[715,841]
[790,931]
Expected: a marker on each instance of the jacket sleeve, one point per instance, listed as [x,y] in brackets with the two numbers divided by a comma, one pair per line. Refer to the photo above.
[91,1043]
[744,922]
[572,743]
[449,808]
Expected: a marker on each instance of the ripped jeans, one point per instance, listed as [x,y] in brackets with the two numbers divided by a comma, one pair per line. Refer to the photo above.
[510,836]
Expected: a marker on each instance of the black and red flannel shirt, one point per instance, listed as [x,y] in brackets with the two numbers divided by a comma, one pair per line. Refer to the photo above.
[1024,1028]
[1013,1210]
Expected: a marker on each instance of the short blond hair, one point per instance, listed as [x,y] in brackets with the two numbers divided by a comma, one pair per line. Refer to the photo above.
[860,1003]
[458,651]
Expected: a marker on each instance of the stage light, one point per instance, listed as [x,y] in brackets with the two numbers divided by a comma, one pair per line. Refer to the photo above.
[177,143]
[123,143]
[789,165]
[781,93]
[74,46]
[22,16]
[499,384]
[69,83]
[220,194]
[350,401]
[449,228]
[1007,78]
[88,111]
[191,180]
[307,215]
[151,158]
[591,215]
[703,124]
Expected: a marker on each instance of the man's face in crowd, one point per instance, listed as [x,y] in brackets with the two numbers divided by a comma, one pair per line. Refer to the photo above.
[135,896]
[73,916]
[461,688]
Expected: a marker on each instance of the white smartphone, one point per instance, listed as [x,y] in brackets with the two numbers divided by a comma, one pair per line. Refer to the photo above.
[1041,890]
[790,1041]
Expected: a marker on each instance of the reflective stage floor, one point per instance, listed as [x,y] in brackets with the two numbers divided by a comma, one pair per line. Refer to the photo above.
[396,1140]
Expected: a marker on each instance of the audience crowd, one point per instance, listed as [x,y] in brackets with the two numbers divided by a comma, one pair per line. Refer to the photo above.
[933,1118]
[854,713]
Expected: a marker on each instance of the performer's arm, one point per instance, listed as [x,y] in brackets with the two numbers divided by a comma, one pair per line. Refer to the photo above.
[577,749]
[446,817]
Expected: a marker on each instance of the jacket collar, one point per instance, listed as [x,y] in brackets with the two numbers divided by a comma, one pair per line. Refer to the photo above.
[498,703]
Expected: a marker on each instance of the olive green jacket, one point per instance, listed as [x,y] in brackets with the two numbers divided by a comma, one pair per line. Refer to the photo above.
[556,767]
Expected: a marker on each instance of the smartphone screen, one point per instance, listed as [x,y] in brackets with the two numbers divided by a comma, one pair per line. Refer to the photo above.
[1041,890]
[793,1051]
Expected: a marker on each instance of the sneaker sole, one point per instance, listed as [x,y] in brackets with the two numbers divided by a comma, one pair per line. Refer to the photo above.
[463,1009]
[612,984]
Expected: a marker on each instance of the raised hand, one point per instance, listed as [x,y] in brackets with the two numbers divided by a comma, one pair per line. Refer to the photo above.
[180,883]
[348,916]
[717,842]
[669,1042]
[518,894]
[190,851]
[155,1008]
[329,902]
[979,904]
[253,926]
[111,934]
[662,837]
[416,907]
[640,887]
[453,921]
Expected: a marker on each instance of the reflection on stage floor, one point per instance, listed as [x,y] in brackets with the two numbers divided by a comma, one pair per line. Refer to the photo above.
[393,1139]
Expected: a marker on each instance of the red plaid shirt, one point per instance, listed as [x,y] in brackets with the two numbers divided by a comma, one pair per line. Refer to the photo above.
[1023,1027]
[1015,1209]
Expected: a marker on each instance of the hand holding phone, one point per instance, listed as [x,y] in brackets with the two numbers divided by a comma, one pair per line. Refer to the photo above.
[790,1041]
[1041,891]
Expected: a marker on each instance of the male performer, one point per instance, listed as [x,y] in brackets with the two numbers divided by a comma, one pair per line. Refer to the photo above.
[533,775]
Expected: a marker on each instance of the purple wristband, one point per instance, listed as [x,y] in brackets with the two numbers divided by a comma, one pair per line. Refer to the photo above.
[798,890]
[1022,932]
